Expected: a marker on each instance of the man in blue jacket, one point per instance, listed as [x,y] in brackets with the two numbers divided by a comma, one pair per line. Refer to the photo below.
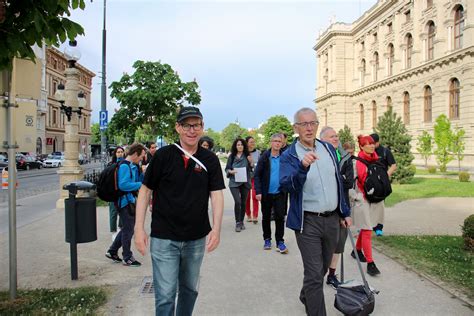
[129,181]
[309,172]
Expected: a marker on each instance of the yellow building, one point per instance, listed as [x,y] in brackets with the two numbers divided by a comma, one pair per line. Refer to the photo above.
[38,121]
[416,57]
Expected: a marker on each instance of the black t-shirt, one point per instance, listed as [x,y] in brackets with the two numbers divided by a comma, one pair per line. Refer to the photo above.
[385,156]
[181,192]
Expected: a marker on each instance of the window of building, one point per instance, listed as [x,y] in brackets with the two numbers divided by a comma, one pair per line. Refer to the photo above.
[389,27]
[375,37]
[409,43]
[389,103]
[431,36]
[428,104]
[376,65]
[362,72]
[391,58]
[406,108]
[429,3]
[374,114]
[362,45]
[458,27]
[361,116]
[55,113]
[454,99]
[408,16]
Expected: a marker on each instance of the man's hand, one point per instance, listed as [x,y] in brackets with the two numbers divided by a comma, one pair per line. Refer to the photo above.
[141,240]
[309,158]
[258,197]
[346,222]
[232,171]
[213,240]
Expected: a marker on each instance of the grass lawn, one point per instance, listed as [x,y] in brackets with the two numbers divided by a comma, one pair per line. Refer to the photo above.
[442,257]
[429,187]
[423,172]
[78,301]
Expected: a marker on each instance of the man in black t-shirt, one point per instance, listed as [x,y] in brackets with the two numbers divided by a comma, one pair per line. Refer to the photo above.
[181,176]
[387,159]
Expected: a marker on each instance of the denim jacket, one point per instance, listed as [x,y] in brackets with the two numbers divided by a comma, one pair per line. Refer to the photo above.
[292,179]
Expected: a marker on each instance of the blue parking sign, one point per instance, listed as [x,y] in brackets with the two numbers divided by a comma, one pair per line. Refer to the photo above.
[103,120]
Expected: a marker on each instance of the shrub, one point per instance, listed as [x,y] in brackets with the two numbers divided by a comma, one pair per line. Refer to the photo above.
[431,169]
[443,168]
[468,232]
[464,176]
[412,169]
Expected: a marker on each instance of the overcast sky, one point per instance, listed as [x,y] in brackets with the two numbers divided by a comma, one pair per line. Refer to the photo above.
[251,59]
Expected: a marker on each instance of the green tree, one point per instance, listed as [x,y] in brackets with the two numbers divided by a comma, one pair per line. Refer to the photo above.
[230,133]
[29,22]
[425,146]
[394,135]
[277,124]
[152,95]
[345,135]
[458,145]
[95,130]
[443,136]
[216,137]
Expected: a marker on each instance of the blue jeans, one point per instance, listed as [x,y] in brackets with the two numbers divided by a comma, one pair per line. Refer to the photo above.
[176,262]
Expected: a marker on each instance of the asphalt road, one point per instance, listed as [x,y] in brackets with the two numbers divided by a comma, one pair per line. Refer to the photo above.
[38,181]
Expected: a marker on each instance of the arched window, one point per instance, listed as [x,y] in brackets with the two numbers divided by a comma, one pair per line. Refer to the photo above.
[454,99]
[458,27]
[361,116]
[428,104]
[409,51]
[429,3]
[431,36]
[389,103]
[326,79]
[391,57]
[374,113]
[362,72]
[376,65]
[406,108]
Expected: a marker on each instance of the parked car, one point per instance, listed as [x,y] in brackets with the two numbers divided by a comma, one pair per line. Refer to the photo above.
[53,161]
[3,162]
[27,162]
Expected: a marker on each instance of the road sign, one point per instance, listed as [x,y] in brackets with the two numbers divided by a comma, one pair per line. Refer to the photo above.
[103,120]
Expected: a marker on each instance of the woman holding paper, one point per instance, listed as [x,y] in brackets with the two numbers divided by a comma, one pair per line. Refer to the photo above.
[238,169]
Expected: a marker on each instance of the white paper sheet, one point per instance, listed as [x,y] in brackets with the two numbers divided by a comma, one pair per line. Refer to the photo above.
[241,175]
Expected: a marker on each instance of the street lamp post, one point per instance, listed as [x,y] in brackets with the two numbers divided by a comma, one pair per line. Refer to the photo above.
[72,101]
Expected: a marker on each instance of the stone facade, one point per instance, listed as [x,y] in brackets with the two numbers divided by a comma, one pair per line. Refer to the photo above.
[414,56]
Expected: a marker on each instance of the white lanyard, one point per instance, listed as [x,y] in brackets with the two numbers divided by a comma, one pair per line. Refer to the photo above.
[191,156]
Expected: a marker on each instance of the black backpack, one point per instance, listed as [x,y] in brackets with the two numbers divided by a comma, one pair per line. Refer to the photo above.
[107,186]
[377,185]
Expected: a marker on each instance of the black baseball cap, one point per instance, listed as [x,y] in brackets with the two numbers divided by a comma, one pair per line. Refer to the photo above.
[188,111]
[375,137]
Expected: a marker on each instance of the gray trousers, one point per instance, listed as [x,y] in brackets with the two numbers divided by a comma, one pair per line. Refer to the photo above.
[317,243]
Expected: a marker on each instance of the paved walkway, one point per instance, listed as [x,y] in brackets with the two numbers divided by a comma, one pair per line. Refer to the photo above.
[239,278]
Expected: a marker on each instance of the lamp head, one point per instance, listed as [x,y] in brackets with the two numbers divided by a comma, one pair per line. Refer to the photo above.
[60,93]
[72,53]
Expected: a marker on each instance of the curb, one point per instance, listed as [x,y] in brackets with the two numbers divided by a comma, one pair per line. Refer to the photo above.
[454,293]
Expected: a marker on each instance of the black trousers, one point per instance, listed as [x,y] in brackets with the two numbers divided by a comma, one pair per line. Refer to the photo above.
[317,243]
[239,194]
[278,203]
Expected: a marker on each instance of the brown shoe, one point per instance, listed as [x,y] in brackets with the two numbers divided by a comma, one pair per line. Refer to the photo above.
[255,220]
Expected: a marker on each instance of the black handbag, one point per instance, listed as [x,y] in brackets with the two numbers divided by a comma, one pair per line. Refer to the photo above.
[355,300]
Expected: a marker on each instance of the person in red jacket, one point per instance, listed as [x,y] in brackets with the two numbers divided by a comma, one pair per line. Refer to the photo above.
[366,214]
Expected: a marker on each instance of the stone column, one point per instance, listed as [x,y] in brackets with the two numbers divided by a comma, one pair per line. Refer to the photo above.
[70,171]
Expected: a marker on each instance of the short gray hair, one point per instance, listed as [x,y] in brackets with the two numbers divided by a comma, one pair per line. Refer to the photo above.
[280,135]
[301,111]
[324,130]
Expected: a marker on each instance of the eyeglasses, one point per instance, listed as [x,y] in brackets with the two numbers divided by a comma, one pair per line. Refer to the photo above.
[306,124]
[187,127]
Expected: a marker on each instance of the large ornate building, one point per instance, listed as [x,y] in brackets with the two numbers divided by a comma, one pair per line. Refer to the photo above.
[415,56]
